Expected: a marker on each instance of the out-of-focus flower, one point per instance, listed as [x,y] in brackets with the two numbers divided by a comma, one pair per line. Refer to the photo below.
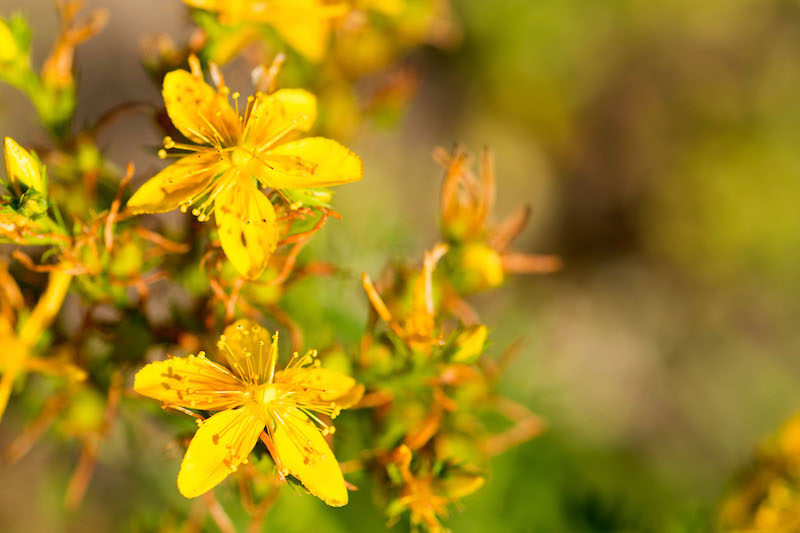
[249,395]
[767,498]
[304,24]
[426,495]
[418,326]
[233,154]
[18,343]
[480,258]
[57,71]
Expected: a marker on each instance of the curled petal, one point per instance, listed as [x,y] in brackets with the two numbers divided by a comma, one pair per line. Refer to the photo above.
[247,228]
[177,184]
[275,115]
[198,111]
[302,451]
[193,382]
[221,444]
[311,162]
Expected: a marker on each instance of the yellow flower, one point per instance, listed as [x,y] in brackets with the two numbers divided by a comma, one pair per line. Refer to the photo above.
[250,395]
[22,167]
[304,24]
[481,255]
[418,327]
[233,153]
[426,496]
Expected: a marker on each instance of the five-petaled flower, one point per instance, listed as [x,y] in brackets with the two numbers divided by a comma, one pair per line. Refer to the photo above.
[235,153]
[249,396]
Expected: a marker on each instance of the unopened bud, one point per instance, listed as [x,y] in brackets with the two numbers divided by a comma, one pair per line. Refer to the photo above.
[478,267]
[23,167]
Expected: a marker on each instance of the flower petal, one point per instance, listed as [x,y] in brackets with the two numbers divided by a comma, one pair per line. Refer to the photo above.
[302,450]
[247,228]
[198,111]
[311,162]
[222,443]
[249,350]
[278,114]
[305,24]
[328,384]
[177,184]
[194,382]
[308,35]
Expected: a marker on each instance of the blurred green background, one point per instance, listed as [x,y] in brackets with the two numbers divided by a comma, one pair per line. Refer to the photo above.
[658,143]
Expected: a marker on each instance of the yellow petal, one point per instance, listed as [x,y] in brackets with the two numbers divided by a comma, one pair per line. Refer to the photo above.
[177,184]
[221,444]
[459,485]
[198,111]
[309,36]
[193,382]
[304,24]
[247,229]
[311,162]
[327,384]
[278,114]
[302,450]
[249,350]
[21,166]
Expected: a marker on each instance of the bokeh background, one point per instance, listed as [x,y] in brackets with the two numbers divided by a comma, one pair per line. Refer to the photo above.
[659,145]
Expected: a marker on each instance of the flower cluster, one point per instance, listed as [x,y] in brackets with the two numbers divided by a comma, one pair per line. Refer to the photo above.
[97,288]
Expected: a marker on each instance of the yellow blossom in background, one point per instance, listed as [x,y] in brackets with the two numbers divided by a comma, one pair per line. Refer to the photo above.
[481,256]
[767,498]
[250,395]
[304,24]
[235,153]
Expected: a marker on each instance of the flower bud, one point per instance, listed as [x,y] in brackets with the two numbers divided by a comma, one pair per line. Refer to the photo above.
[23,167]
[9,50]
[477,267]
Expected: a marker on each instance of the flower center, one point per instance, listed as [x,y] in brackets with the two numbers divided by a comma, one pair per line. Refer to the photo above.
[266,394]
[241,156]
